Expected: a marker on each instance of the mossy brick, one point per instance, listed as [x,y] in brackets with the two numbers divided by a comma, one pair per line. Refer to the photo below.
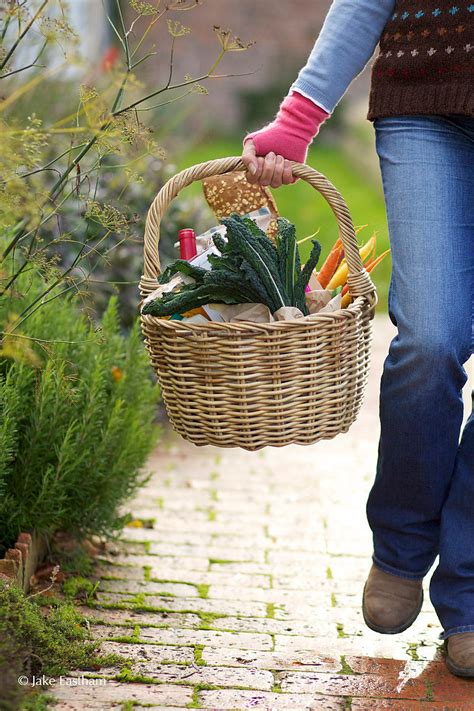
[158,618]
[166,588]
[10,568]
[234,699]
[150,653]
[194,604]
[366,685]
[258,679]
[212,551]
[280,661]
[109,569]
[185,563]
[273,626]
[178,636]
[105,696]
[159,535]
[236,580]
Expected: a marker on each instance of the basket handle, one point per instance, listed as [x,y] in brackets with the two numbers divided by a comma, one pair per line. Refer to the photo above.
[360,283]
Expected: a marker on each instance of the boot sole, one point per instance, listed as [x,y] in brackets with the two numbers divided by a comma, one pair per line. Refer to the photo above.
[391,630]
[466,672]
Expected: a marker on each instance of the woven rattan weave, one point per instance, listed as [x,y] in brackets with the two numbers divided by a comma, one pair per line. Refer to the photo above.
[251,385]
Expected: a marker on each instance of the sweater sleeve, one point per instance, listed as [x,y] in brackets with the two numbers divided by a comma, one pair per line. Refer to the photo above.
[347,41]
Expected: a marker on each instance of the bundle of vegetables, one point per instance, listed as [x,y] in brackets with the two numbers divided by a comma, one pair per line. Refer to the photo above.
[335,270]
[249,269]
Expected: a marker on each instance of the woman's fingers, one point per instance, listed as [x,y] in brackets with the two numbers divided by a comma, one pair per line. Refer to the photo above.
[249,158]
[287,178]
[268,169]
[278,172]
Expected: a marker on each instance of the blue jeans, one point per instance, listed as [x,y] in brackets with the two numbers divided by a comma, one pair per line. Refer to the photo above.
[422,502]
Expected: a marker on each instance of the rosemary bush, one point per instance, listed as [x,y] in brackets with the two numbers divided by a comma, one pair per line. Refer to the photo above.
[76,421]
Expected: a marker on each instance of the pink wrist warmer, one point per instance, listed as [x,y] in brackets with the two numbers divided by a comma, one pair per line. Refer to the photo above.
[290,134]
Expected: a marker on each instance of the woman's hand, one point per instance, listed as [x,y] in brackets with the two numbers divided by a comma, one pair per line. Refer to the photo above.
[272,170]
[267,153]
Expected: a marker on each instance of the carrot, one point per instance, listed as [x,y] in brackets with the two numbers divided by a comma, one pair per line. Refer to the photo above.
[374,262]
[331,263]
[371,255]
[346,300]
[346,297]
[340,276]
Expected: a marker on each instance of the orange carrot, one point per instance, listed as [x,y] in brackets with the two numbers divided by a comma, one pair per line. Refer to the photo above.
[373,263]
[370,265]
[331,264]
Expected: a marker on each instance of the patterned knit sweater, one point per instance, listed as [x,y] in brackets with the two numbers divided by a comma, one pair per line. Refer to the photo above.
[425,64]
[426,61]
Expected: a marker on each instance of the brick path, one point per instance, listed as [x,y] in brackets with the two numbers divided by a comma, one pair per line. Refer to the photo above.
[245,591]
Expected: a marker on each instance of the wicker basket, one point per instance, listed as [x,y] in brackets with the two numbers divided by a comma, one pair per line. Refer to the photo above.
[251,385]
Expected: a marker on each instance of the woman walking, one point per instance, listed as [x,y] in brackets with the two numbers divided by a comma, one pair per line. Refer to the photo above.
[422,105]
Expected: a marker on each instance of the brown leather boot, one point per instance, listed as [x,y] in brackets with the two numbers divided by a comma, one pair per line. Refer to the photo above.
[460,654]
[391,604]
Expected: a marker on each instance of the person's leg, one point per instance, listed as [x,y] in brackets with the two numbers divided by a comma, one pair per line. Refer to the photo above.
[452,584]
[428,176]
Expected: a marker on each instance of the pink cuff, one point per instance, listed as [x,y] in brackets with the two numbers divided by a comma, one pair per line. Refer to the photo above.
[298,121]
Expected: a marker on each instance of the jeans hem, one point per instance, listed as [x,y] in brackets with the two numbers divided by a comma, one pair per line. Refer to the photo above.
[457,630]
[399,573]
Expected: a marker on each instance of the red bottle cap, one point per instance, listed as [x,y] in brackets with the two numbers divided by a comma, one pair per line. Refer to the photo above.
[187,244]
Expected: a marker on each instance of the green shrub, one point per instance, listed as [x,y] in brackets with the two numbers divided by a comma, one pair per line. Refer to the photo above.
[76,420]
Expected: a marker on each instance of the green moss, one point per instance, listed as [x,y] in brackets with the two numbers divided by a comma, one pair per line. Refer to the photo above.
[214,476]
[429,690]
[194,703]
[37,702]
[345,667]
[333,600]
[38,637]
[147,573]
[203,590]
[126,674]
[211,514]
[329,575]
[79,588]
[347,703]
[198,660]
[139,599]
[271,610]
[340,630]
[160,502]
[207,619]
[412,651]
[221,561]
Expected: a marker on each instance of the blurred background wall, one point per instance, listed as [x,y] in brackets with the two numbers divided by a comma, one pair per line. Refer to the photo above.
[284,33]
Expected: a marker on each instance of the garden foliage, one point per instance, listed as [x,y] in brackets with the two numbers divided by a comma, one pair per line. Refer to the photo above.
[76,421]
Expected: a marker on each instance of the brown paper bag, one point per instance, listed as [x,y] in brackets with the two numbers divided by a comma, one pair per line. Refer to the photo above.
[288,313]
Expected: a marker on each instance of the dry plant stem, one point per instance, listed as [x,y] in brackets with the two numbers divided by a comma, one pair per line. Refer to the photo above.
[14,46]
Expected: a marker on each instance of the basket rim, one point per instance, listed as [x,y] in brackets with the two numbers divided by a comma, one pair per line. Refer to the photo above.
[352,311]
